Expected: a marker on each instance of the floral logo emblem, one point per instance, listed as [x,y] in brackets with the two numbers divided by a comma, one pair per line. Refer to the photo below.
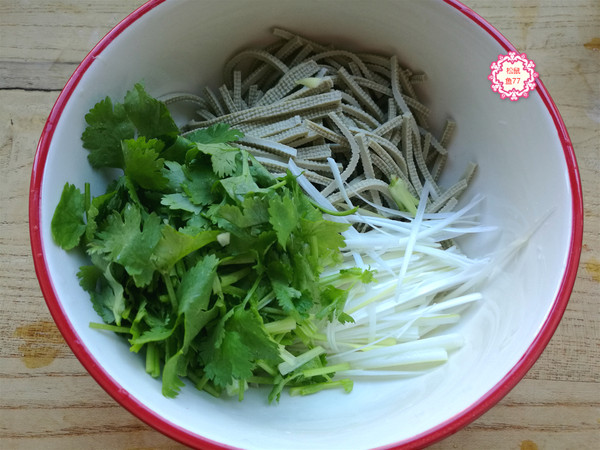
[513,76]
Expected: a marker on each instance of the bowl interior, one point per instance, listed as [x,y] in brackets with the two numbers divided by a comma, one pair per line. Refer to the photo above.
[181,46]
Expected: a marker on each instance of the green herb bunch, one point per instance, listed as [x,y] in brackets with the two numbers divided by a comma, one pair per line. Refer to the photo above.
[208,264]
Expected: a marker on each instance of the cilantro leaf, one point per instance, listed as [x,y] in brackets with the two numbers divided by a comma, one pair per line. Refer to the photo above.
[252,211]
[241,341]
[195,224]
[178,150]
[171,383]
[150,116]
[286,295]
[126,242]
[283,216]
[232,359]
[112,296]
[103,295]
[174,174]
[106,293]
[180,201]
[223,157]
[333,301]
[327,236]
[173,245]
[142,164]
[238,186]
[291,300]
[198,185]
[67,225]
[249,324]
[193,297]
[219,133]
[224,161]
[106,127]
[260,174]
[253,248]
[88,277]
[157,333]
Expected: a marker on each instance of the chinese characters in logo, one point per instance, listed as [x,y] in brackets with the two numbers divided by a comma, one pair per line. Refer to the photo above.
[513,76]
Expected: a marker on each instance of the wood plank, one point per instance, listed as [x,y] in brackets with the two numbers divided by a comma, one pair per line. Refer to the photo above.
[42,42]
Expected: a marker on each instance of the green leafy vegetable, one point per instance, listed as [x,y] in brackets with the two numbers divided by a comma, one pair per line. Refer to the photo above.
[142,164]
[209,265]
[108,126]
[150,116]
[67,224]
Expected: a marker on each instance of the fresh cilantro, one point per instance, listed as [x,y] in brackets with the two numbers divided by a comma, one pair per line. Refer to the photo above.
[193,297]
[142,164]
[208,263]
[237,187]
[222,157]
[150,116]
[67,225]
[283,215]
[199,185]
[217,134]
[171,381]
[108,126]
[180,201]
[178,150]
[252,211]
[125,241]
[173,172]
[174,245]
[237,344]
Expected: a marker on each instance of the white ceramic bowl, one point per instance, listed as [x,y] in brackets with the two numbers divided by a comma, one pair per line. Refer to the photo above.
[527,168]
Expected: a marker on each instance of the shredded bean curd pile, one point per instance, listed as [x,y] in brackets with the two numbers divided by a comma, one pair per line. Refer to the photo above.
[311,103]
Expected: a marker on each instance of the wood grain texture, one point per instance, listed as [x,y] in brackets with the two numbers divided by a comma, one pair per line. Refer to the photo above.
[47,400]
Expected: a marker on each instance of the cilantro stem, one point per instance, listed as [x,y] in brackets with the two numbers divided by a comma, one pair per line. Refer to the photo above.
[263,302]
[152,360]
[211,390]
[334,213]
[281,326]
[261,380]
[325,370]
[233,277]
[278,185]
[241,389]
[238,259]
[266,367]
[403,197]
[87,198]
[107,327]
[291,362]
[199,382]
[346,384]
[170,290]
[252,290]
[272,310]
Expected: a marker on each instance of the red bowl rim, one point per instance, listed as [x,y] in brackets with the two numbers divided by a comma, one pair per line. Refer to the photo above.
[184,436]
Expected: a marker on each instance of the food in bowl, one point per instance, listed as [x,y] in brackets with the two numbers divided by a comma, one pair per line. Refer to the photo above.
[338,264]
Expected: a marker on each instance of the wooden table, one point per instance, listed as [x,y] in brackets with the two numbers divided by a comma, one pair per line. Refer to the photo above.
[47,400]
